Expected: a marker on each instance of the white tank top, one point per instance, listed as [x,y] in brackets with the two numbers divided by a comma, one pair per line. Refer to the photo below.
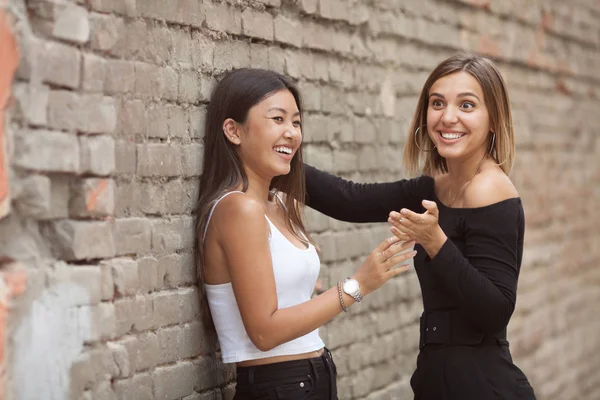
[296,272]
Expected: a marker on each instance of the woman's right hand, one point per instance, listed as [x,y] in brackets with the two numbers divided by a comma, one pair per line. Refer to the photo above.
[378,268]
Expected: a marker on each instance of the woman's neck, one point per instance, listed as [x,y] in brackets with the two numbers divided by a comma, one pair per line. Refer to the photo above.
[461,171]
[258,187]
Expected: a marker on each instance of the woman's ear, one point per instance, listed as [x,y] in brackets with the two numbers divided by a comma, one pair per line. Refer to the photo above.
[231,131]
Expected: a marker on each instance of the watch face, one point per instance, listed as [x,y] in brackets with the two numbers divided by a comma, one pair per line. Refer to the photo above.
[351,286]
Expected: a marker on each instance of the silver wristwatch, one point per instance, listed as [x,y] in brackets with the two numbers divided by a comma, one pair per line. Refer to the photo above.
[351,288]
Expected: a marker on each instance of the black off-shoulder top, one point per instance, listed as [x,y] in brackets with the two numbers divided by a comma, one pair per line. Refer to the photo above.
[477,268]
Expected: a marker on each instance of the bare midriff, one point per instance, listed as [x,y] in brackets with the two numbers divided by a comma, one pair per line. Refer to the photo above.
[277,359]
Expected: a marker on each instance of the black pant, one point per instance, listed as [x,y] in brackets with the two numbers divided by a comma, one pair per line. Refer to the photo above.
[479,372]
[313,379]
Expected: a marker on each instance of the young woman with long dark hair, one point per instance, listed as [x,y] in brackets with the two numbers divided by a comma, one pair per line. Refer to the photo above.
[257,263]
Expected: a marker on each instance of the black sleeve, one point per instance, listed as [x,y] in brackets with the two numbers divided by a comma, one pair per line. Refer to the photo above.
[362,202]
[484,280]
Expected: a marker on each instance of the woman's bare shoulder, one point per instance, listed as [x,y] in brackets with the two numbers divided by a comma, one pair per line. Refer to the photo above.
[490,186]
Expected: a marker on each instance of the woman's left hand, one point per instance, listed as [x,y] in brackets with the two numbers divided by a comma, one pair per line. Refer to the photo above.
[422,228]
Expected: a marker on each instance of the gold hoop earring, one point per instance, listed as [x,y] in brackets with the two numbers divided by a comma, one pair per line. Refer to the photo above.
[492,144]
[417,144]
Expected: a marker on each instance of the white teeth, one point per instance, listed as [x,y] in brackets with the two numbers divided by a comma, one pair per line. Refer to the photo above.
[451,135]
[285,150]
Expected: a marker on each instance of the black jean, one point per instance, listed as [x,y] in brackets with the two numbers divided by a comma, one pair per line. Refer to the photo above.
[481,372]
[311,379]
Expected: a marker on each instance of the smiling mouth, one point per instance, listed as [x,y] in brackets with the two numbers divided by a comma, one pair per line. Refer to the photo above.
[451,136]
[284,150]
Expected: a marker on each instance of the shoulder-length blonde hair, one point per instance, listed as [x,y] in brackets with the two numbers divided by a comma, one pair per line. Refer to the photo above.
[501,142]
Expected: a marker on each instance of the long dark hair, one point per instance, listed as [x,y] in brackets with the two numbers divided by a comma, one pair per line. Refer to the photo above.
[223,171]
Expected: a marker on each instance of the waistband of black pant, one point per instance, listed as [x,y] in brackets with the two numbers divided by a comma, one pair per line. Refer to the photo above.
[449,327]
[266,372]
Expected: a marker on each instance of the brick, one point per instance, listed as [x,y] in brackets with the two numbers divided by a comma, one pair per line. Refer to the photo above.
[170,81]
[97,155]
[179,270]
[147,351]
[106,282]
[156,42]
[35,198]
[110,6]
[180,342]
[45,150]
[93,198]
[125,157]
[148,80]
[99,114]
[257,24]
[231,54]
[139,387]
[86,278]
[193,157]
[175,307]
[120,77]
[133,236]
[61,64]
[202,51]
[33,102]
[309,6]
[124,352]
[80,240]
[158,160]
[94,73]
[197,121]
[311,97]
[259,56]
[286,30]
[157,118]
[92,113]
[128,193]
[63,110]
[102,391]
[149,276]
[189,87]
[125,275]
[174,381]
[223,17]
[171,235]
[364,131]
[132,314]
[276,59]
[178,123]
[334,9]
[97,323]
[162,198]
[132,118]
[94,365]
[72,24]
[106,31]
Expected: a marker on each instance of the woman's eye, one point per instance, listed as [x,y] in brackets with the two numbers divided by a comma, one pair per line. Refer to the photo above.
[468,106]
[437,103]
[298,124]
[278,119]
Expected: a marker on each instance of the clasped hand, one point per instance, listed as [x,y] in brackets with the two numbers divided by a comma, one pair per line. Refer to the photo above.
[423,229]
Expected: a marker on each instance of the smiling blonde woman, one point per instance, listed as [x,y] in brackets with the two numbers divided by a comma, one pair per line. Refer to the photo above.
[467,220]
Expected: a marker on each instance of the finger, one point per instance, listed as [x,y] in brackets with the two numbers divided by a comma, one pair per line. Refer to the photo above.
[395,249]
[400,258]
[400,246]
[431,207]
[383,246]
[397,271]
[410,215]
[403,236]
